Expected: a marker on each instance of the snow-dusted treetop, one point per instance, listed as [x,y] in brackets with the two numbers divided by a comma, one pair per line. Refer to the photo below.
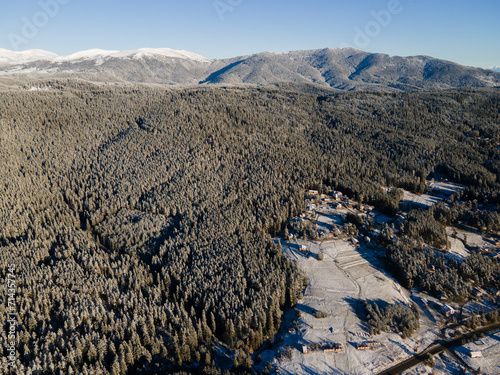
[8,57]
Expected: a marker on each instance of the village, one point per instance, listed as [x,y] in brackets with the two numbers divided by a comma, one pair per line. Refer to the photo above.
[345,267]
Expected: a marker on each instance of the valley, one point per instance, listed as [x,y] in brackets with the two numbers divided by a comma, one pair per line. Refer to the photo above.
[143,224]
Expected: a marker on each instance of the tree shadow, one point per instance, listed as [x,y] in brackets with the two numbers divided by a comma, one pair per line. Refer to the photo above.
[423,307]
[375,254]
[402,347]
[306,309]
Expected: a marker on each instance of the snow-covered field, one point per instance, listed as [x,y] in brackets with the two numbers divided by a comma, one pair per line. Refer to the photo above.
[439,190]
[457,247]
[489,346]
[423,200]
[338,285]
[347,276]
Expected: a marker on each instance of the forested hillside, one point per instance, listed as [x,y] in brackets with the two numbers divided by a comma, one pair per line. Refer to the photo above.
[140,220]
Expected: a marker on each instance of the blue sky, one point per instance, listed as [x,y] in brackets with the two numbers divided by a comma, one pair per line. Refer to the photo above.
[463,31]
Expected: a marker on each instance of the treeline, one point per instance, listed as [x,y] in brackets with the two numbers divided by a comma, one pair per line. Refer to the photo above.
[140,219]
[415,265]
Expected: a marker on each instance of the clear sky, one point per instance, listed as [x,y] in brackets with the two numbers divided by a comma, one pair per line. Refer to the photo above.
[463,31]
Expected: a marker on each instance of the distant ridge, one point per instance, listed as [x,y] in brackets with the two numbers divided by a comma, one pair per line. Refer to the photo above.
[331,68]
[13,57]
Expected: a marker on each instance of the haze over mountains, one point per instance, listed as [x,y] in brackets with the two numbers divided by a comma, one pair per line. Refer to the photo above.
[339,68]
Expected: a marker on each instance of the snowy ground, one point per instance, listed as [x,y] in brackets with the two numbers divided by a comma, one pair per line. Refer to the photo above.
[489,346]
[338,285]
[439,191]
[457,247]
[350,274]
[423,200]
[444,365]
[444,188]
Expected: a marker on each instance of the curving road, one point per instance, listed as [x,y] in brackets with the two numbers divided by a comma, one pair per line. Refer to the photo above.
[436,349]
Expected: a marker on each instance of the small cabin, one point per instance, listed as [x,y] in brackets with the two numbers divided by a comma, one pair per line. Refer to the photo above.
[477,292]
[448,310]
[333,348]
[336,195]
[476,355]
[367,345]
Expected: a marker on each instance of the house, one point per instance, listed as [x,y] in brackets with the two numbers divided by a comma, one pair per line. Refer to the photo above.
[354,241]
[443,297]
[493,255]
[338,206]
[303,248]
[476,355]
[311,206]
[496,293]
[337,195]
[305,349]
[362,346]
[312,192]
[367,345]
[333,348]
[448,310]
[477,292]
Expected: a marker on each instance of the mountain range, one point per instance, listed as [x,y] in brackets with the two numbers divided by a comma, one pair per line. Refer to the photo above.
[331,68]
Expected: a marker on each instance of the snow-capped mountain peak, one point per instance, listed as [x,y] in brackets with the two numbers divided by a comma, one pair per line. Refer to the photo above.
[166,52]
[23,57]
[8,57]
[494,68]
[88,54]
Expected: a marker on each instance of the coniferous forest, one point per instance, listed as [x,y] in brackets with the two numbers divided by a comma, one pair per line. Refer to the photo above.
[140,220]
